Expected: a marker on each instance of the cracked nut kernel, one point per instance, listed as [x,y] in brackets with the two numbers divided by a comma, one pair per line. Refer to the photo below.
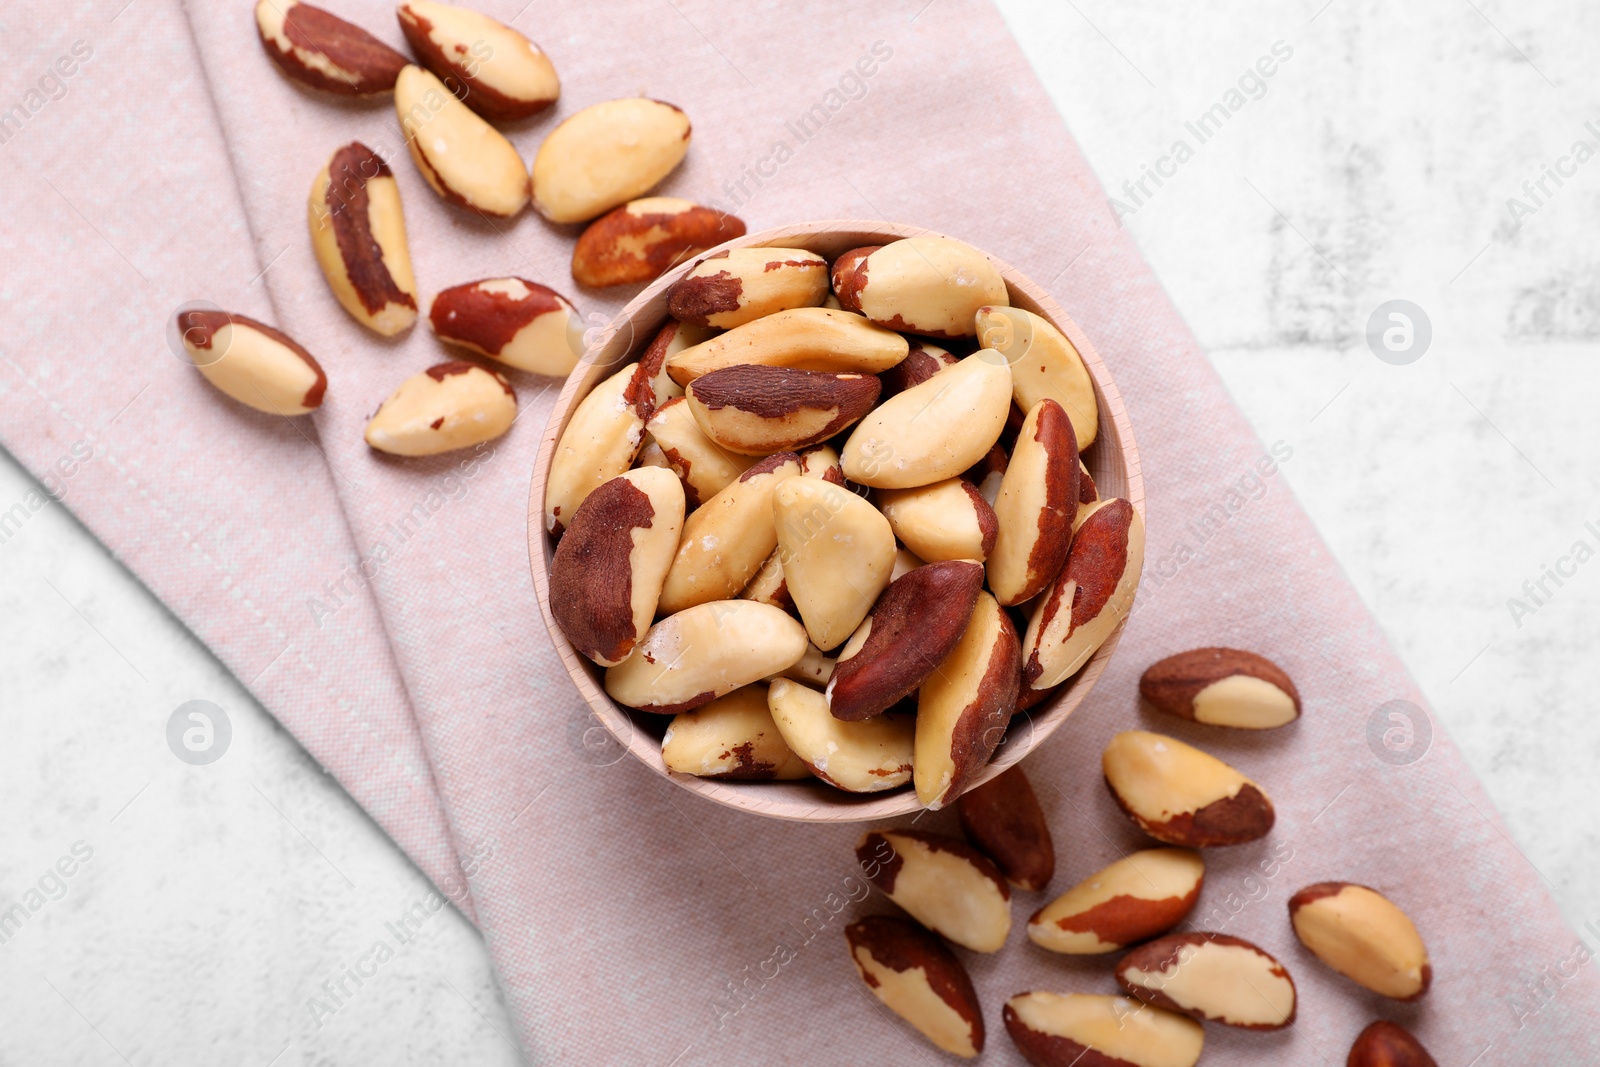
[802,338]
[487,65]
[520,323]
[733,738]
[915,976]
[858,757]
[1222,687]
[1360,933]
[942,882]
[728,537]
[1037,502]
[253,363]
[965,704]
[319,49]
[643,239]
[1385,1044]
[1182,796]
[944,520]
[1211,977]
[1090,1030]
[446,407]
[924,285]
[687,660]
[1137,897]
[1043,364]
[759,410]
[605,155]
[599,443]
[1003,819]
[606,575]
[461,157]
[358,233]
[837,551]
[740,285]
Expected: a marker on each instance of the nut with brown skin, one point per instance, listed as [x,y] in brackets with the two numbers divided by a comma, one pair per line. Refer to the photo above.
[1003,819]
[1211,977]
[913,627]
[461,157]
[487,65]
[687,660]
[842,274]
[1384,1044]
[1037,502]
[822,462]
[759,410]
[1222,687]
[599,443]
[606,155]
[1360,933]
[858,757]
[606,575]
[945,520]
[942,882]
[643,239]
[1089,1030]
[924,285]
[932,431]
[732,738]
[964,706]
[321,50]
[740,285]
[923,362]
[358,233]
[802,338]
[705,467]
[1043,364]
[989,473]
[915,976]
[1088,599]
[653,385]
[446,407]
[520,323]
[1139,896]
[255,364]
[1088,496]
[837,552]
[1183,796]
[727,538]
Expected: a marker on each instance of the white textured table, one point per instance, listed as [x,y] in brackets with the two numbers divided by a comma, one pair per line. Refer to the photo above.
[216,903]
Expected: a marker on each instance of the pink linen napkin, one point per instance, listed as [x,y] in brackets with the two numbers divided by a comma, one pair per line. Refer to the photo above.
[633,923]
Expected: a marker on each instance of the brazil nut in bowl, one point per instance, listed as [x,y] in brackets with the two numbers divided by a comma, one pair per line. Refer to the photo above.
[837,521]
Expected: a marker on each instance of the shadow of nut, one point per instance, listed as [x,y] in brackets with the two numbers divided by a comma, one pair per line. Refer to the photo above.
[1399,733]
[201,357]
[592,743]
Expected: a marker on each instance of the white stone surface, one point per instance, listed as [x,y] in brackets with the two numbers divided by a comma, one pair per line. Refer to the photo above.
[1376,165]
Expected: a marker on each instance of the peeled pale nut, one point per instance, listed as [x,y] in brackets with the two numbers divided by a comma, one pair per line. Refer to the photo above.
[1222,687]
[802,338]
[1003,819]
[705,466]
[822,462]
[759,410]
[733,738]
[358,233]
[965,704]
[768,586]
[740,285]
[913,626]
[462,157]
[1088,599]
[606,575]
[253,363]
[915,976]
[944,520]
[859,757]
[942,882]
[319,49]
[522,324]
[448,406]
[599,443]
[1361,934]
[1384,1044]
[490,67]
[606,155]
[1089,1030]
[923,362]
[1211,977]
[932,431]
[1137,897]
[643,239]
[689,659]
[926,285]
[1182,796]
[813,669]
[836,550]
[1034,510]
[1043,364]
[728,537]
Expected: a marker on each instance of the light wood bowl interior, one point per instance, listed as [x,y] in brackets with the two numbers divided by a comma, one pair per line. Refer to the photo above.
[1113,460]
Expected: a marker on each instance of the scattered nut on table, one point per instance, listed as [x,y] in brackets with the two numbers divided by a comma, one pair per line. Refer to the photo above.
[1182,796]
[606,155]
[915,976]
[446,407]
[520,323]
[358,233]
[1387,1044]
[1003,819]
[461,157]
[323,51]
[1090,1030]
[1222,687]
[643,239]
[487,65]
[1211,977]
[942,882]
[1139,896]
[255,364]
[1364,936]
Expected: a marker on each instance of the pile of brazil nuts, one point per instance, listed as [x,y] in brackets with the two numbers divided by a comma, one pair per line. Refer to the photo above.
[822,542]
[469,73]
[956,894]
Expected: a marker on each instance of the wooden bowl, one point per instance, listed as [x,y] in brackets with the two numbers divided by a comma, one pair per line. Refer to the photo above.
[1113,460]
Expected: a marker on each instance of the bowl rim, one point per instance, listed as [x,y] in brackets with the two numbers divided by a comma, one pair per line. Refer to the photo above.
[764,798]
